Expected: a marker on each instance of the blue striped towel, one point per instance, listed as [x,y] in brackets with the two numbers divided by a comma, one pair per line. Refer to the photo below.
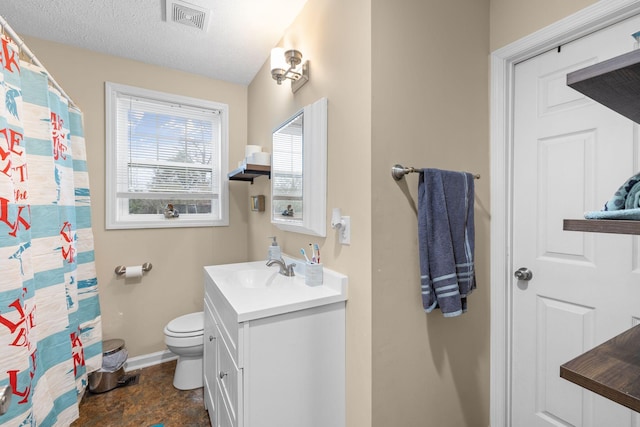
[446,240]
[624,204]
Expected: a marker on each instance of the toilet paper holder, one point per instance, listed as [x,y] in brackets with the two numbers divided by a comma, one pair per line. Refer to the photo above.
[121,269]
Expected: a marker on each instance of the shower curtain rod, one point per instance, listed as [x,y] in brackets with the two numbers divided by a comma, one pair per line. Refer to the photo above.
[25,49]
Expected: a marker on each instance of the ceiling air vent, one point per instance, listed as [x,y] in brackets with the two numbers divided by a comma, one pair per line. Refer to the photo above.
[187,14]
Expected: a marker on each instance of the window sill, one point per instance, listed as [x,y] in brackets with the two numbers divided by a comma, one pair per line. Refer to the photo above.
[166,223]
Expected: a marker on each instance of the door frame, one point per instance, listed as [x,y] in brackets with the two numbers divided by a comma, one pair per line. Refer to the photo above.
[503,61]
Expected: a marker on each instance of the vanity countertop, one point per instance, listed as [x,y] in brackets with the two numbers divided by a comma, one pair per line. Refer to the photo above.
[243,286]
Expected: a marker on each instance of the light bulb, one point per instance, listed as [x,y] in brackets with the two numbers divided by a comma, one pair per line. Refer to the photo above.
[278,59]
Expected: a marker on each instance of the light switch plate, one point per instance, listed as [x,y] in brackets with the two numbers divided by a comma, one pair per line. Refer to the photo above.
[344,236]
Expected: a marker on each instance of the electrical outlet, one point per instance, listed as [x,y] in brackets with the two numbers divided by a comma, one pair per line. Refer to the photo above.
[344,236]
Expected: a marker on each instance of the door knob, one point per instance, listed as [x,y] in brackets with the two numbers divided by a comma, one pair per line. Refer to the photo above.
[523,274]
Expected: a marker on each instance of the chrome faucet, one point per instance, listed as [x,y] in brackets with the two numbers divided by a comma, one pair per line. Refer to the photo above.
[285,270]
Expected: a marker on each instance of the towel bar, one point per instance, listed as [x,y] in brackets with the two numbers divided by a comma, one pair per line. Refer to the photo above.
[398,172]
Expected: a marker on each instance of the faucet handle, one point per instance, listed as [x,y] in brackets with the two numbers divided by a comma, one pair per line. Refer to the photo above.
[290,270]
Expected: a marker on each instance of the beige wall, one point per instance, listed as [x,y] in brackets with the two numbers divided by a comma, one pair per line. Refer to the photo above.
[430,109]
[513,19]
[138,313]
[335,36]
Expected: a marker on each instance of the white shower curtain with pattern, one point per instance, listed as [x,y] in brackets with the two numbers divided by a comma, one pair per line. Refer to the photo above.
[50,326]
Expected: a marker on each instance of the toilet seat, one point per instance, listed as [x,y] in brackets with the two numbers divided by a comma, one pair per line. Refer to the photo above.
[188,325]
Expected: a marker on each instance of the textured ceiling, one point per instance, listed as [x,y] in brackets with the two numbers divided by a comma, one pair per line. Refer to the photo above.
[240,34]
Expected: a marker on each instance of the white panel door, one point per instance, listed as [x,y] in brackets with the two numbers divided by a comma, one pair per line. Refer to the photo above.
[570,155]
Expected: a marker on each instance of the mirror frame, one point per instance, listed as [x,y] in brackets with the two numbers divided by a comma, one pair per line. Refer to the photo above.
[314,175]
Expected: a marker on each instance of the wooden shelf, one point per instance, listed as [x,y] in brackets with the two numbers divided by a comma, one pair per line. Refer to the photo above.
[615,226]
[611,369]
[249,172]
[614,83]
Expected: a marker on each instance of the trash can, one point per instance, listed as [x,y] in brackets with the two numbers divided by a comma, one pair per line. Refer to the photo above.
[114,355]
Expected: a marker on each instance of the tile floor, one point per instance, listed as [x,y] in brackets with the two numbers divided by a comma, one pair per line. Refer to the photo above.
[153,400]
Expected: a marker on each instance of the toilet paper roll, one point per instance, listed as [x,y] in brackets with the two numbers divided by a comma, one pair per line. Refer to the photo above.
[133,272]
[250,149]
[261,158]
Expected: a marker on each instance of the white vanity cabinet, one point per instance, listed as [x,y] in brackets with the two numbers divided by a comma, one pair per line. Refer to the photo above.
[274,357]
[211,338]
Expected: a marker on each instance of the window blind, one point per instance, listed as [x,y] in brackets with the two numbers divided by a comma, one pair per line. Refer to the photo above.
[166,150]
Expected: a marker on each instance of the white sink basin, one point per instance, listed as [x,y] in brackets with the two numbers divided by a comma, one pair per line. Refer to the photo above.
[258,278]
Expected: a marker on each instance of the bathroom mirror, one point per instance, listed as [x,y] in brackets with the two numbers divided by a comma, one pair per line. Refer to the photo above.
[299,171]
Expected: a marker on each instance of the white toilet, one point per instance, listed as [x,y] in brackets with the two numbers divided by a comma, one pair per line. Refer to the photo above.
[184,337]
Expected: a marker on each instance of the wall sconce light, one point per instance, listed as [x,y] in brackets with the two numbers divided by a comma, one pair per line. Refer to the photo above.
[284,65]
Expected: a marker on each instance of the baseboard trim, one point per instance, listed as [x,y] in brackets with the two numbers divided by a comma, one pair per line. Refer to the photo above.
[146,360]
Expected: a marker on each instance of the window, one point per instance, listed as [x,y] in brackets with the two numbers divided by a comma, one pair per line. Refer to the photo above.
[165,151]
